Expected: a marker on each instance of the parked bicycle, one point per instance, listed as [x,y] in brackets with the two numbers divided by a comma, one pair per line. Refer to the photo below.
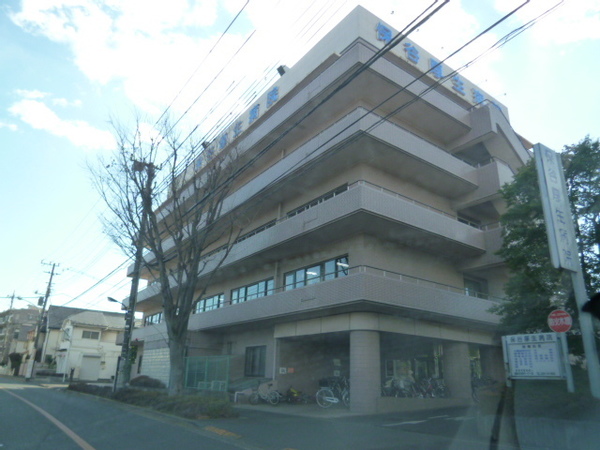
[433,388]
[295,396]
[333,390]
[477,383]
[266,393]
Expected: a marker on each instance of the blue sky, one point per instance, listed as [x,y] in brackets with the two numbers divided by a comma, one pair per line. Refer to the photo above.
[70,66]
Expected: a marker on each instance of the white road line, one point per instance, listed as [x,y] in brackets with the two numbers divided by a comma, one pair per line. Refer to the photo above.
[411,422]
[74,436]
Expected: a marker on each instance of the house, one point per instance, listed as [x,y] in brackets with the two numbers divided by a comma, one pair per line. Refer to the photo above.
[87,348]
[372,248]
[51,331]
[14,327]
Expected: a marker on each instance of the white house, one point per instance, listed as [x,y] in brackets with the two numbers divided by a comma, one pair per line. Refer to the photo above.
[88,345]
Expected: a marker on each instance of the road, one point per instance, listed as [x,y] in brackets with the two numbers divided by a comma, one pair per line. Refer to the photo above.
[34,417]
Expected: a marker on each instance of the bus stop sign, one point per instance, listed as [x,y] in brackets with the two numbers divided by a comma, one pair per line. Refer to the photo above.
[560,321]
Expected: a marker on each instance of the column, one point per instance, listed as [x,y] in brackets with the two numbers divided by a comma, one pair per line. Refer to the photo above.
[457,369]
[492,362]
[365,366]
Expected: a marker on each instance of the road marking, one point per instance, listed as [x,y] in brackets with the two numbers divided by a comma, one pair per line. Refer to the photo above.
[461,418]
[222,432]
[439,417]
[412,422]
[74,436]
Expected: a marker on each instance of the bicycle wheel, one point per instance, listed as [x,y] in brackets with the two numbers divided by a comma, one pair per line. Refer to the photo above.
[273,398]
[323,397]
[253,399]
[346,398]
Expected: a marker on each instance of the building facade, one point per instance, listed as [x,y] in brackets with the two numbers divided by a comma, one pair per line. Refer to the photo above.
[14,326]
[87,347]
[374,226]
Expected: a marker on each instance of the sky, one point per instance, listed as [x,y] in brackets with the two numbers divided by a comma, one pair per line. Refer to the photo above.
[69,69]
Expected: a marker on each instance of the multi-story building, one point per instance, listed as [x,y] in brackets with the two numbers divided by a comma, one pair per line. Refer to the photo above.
[14,326]
[371,252]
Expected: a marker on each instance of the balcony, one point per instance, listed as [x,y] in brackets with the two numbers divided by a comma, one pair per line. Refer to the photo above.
[363,208]
[365,289]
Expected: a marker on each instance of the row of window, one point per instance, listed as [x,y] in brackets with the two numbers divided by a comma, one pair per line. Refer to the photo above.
[327,270]
[323,271]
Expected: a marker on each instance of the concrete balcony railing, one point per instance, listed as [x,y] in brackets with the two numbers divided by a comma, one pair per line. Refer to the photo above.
[363,207]
[364,289]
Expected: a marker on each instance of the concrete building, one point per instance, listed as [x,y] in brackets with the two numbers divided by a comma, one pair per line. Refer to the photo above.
[14,327]
[88,345]
[371,252]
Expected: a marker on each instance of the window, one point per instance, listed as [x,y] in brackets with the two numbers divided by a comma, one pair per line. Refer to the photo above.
[255,361]
[475,287]
[252,291]
[209,303]
[153,319]
[327,270]
[318,200]
[90,334]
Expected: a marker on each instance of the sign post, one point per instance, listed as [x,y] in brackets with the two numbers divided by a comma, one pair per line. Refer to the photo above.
[564,251]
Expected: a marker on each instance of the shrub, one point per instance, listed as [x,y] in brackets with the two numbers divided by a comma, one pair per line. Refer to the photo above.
[188,406]
[147,382]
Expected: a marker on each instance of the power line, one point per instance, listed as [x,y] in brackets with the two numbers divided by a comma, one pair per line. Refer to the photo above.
[201,63]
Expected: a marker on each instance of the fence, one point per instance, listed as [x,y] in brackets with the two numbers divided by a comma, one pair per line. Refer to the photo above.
[209,373]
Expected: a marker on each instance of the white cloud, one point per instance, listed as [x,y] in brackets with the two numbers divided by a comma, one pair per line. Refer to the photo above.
[150,48]
[10,126]
[39,116]
[35,94]
[66,103]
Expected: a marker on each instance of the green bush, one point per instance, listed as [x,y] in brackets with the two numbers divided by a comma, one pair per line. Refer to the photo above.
[147,382]
[188,406]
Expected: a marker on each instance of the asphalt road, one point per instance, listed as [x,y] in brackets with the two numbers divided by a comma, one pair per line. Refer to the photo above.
[34,417]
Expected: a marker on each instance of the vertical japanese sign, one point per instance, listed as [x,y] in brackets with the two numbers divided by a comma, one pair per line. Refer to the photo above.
[557,211]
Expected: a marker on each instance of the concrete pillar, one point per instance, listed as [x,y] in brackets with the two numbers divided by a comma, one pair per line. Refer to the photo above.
[457,369]
[492,363]
[365,365]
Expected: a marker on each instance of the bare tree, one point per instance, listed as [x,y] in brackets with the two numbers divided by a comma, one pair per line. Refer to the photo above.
[173,209]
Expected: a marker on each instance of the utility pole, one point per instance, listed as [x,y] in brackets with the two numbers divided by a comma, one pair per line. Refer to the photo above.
[125,375]
[32,361]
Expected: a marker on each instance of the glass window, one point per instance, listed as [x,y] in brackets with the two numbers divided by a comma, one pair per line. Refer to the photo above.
[342,266]
[327,270]
[300,278]
[255,361]
[153,319]
[90,334]
[252,291]
[313,274]
[476,287]
[209,303]
[330,269]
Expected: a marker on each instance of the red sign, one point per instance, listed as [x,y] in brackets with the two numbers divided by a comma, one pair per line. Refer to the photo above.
[560,321]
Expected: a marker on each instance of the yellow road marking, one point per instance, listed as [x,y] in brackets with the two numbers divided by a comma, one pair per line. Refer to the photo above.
[222,432]
[74,436]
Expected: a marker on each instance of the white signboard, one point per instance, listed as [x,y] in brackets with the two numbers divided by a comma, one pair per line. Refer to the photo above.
[534,356]
[557,211]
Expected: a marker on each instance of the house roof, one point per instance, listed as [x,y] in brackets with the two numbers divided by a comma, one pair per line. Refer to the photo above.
[98,319]
[56,315]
